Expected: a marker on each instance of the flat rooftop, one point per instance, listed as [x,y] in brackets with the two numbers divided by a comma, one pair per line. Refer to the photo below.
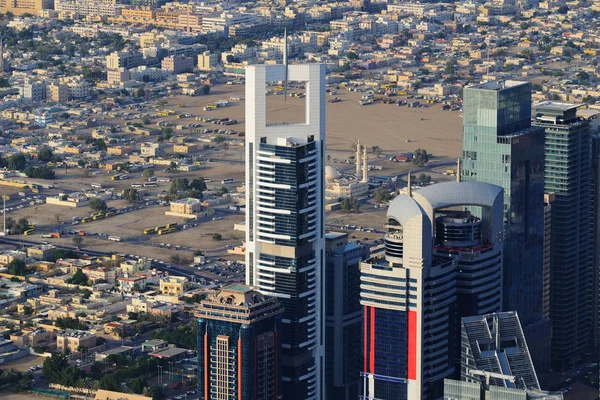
[238,288]
[555,106]
[498,85]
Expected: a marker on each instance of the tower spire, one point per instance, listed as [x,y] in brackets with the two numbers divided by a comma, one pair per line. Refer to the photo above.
[285,63]
[365,177]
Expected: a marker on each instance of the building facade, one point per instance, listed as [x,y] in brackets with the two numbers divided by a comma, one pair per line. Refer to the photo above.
[285,219]
[501,147]
[239,345]
[343,323]
[568,176]
[410,290]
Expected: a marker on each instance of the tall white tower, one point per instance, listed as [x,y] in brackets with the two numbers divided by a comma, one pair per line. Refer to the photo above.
[285,217]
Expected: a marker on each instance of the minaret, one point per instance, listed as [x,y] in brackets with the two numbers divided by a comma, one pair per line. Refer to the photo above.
[458,170]
[357,156]
[409,185]
[365,177]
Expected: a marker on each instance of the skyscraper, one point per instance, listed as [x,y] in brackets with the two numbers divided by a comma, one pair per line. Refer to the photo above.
[285,217]
[344,316]
[501,147]
[568,176]
[238,345]
[409,291]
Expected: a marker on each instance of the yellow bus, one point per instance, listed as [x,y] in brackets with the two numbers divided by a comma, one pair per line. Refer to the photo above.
[173,225]
[149,231]
[97,217]
[167,230]
[87,219]
[158,228]
[28,232]
[109,214]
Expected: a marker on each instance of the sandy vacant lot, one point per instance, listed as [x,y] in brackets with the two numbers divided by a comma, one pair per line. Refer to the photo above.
[384,125]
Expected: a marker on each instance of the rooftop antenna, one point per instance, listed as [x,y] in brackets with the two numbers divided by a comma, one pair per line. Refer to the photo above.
[285,63]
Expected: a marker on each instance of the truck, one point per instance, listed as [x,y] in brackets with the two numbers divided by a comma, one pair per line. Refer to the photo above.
[365,102]
[56,235]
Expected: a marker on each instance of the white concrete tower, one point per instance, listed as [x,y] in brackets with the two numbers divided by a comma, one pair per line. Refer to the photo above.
[365,167]
[285,221]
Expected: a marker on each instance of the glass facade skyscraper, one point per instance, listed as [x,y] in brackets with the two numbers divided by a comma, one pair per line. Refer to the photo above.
[344,316]
[285,221]
[568,176]
[238,345]
[501,147]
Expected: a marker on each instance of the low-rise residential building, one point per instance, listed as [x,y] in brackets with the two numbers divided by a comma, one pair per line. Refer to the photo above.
[42,252]
[177,64]
[131,284]
[151,150]
[174,285]
[32,337]
[72,339]
[187,206]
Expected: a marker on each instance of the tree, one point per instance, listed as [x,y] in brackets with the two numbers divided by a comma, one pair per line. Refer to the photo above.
[45,154]
[350,204]
[449,69]
[78,278]
[562,10]
[198,184]
[420,157]
[138,385]
[148,172]
[17,162]
[27,310]
[205,89]
[179,185]
[230,58]
[381,195]
[219,139]
[351,56]
[40,172]
[77,240]
[424,178]
[4,83]
[376,150]
[97,204]
[217,236]
[131,195]
[17,267]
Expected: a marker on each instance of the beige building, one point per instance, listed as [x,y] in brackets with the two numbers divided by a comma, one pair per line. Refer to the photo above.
[116,77]
[58,92]
[72,339]
[42,252]
[186,206]
[174,285]
[151,150]
[207,61]
[31,338]
[19,7]
[177,64]
[108,395]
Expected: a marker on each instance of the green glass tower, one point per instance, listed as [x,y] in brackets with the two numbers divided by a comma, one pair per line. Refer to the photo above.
[568,175]
[502,148]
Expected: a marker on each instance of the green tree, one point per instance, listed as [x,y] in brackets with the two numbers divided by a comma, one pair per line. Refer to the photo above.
[424,178]
[420,157]
[45,154]
[376,150]
[77,240]
[205,89]
[138,385]
[217,236]
[17,162]
[351,56]
[219,139]
[17,267]
[131,195]
[382,195]
[78,278]
[148,172]
[4,83]
[198,184]
[350,204]
[179,185]
[97,204]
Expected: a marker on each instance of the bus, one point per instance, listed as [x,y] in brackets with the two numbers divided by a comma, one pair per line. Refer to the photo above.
[149,231]
[116,177]
[97,185]
[87,219]
[109,214]
[28,232]
[166,231]
[224,181]
[150,184]
[114,238]
[158,228]
[173,225]
[97,217]
[136,185]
